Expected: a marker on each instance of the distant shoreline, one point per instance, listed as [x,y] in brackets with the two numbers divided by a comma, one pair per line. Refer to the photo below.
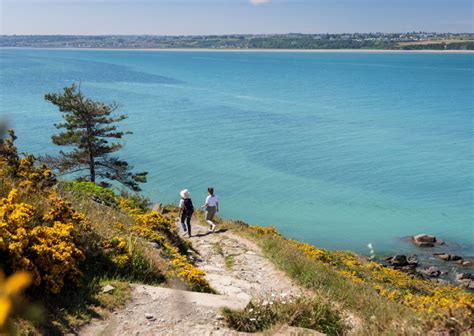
[426,51]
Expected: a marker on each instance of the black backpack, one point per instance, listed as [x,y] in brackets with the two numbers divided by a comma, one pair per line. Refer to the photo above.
[188,207]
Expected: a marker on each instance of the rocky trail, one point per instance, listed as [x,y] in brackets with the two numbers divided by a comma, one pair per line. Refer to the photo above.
[234,267]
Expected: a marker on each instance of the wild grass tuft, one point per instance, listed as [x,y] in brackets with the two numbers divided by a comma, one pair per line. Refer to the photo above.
[263,314]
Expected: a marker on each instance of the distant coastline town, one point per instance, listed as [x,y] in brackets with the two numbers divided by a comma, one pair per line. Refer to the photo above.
[377,41]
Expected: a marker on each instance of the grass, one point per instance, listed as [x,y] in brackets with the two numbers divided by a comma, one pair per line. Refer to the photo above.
[378,315]
[229,261]
[263,314]
[73,308]
[375,314]
[217,247]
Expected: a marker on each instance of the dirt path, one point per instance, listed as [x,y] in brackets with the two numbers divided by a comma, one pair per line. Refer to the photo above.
[234,267]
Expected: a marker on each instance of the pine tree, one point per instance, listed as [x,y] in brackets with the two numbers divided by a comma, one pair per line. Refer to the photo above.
[88,126]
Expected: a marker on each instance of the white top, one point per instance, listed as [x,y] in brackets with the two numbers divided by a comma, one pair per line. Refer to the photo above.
[211,200]
[181,203]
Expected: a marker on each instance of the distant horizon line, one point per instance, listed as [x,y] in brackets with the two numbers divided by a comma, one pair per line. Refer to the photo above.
[247,34]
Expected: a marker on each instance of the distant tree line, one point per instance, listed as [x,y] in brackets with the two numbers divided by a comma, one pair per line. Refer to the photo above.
[282,41]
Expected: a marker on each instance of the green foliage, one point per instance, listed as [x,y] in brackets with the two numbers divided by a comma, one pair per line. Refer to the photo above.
[9,153]
[135,200]
[97,193]
[310,313]
[467,45]
[88,127]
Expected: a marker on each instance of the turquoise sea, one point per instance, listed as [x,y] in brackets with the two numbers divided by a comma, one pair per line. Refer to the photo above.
[336,149]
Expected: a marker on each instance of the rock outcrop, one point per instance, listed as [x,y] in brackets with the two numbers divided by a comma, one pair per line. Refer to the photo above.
[466,280]
[426,240]
[447,257]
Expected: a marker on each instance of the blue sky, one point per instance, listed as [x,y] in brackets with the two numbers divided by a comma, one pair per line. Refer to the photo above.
[194,17]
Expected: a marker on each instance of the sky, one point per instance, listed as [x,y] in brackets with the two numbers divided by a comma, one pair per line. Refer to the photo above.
[204,17]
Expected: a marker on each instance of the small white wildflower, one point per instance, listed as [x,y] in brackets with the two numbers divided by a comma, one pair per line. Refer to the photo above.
[273,295]
[253,319]
[250,310]
[283,302]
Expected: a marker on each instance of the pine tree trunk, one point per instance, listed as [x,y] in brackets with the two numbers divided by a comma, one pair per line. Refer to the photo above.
[92,167]
[91,156]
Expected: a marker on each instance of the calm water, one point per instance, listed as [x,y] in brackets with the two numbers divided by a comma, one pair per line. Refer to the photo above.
[335,149]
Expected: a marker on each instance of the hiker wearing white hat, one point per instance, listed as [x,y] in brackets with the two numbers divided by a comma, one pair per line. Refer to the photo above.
[186,210]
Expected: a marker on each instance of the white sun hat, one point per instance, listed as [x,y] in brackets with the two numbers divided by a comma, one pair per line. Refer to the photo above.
[184,193]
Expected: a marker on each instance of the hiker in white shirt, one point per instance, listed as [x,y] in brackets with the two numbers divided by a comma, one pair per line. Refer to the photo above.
[212,207]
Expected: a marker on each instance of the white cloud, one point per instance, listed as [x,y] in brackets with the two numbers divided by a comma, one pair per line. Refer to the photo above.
[259,2]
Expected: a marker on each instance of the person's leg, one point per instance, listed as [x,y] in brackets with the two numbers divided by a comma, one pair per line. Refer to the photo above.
[211,211]
[188,223]
[183,225]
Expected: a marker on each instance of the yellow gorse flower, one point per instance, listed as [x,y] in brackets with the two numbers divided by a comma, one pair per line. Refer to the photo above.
[10,287]
[155,226]
[48,251]
[421,295]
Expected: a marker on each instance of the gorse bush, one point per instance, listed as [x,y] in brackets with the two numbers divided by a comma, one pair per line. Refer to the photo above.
[72,236]
[381,294]
[310,313]
[160,229]
[50,251]
[134,200]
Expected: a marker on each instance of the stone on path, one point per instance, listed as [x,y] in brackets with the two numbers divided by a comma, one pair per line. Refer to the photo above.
[150,317]
[107,289]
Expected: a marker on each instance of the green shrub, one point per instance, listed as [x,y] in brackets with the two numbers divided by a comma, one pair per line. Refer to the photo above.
[92,190]
[262,314]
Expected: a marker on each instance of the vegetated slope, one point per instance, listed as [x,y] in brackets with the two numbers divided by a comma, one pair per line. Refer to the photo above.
[74,237]
[238,271]
[387,301]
